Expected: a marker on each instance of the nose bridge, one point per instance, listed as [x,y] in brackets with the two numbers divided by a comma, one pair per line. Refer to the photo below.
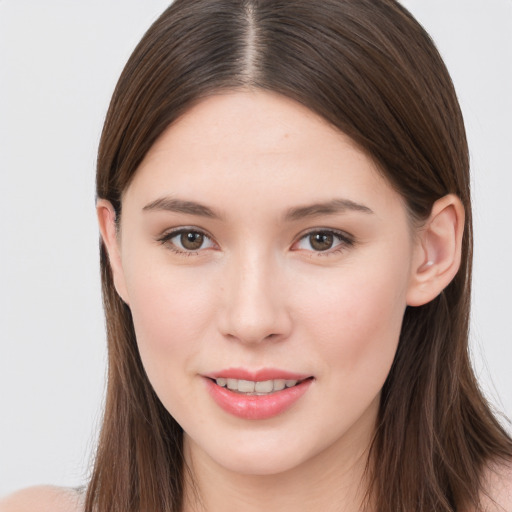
[255,307]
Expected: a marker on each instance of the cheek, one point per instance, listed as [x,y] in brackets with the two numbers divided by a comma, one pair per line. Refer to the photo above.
[172,312]
[356,321]
[354,327]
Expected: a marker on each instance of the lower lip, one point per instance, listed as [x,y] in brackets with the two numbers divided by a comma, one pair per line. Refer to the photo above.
[257,407]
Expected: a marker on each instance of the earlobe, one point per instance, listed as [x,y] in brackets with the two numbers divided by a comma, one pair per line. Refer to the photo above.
[438,251]
[109,235]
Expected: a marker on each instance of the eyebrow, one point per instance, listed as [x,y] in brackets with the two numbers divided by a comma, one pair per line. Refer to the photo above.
[335,206]
[171,204]
[328,208]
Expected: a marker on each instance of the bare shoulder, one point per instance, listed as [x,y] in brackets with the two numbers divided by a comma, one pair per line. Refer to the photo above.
[497,496]
[44,498]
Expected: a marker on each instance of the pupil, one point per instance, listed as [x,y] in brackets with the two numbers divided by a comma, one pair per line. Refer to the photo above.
[321,241]
[192,240]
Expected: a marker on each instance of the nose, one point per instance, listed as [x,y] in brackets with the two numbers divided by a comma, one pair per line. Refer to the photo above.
[254,305]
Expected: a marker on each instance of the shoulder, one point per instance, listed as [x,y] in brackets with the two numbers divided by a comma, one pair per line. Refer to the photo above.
[43,499]
[497,488]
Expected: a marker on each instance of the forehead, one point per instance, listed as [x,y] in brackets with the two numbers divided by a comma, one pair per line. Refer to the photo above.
[258,123]
[252,145]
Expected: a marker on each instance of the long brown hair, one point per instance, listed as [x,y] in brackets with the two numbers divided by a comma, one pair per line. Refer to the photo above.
[369,68]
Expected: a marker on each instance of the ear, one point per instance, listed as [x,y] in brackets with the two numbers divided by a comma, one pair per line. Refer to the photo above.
[438,251]
[110,236]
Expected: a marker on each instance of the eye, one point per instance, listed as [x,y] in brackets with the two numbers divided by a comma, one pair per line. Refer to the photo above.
[323,241]
[187,240]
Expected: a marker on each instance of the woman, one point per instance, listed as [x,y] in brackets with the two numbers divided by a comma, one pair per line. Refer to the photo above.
[283,197]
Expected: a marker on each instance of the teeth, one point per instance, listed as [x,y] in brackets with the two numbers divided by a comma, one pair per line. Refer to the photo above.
[267,386]
[279,384]
[246,386]
[256,388]
[232,384]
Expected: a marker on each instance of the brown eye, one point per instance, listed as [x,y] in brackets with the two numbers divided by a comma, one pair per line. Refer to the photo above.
[321,241]
[328,241]
[187,241]
[191,240]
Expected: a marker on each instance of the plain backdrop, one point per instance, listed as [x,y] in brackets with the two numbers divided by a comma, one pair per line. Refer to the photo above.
[59,62]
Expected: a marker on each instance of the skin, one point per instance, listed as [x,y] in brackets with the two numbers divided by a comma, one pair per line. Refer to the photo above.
[497,496]
[259,293]
[43,498]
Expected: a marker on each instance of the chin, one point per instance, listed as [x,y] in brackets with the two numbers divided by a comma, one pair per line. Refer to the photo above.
[261,464]
[246,457]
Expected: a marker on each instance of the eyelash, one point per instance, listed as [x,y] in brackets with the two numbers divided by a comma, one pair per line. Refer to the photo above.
[344,241]
[167,237]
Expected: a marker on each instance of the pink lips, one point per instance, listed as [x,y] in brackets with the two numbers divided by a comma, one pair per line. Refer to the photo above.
[256,407]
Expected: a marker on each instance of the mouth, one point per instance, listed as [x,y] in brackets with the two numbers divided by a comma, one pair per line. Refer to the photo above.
[257,388]
[258,398]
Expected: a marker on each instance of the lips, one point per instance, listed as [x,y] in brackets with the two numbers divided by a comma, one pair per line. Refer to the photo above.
[257,395]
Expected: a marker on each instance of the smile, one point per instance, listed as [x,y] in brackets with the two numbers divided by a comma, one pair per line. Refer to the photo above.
[255,388]
[257,399]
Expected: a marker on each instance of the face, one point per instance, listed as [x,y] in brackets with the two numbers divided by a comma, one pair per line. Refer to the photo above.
[260,250]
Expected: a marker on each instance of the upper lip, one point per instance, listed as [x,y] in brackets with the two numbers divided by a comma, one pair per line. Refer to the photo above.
[260,375]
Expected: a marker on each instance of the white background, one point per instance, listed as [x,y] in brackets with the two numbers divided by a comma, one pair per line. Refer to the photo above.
[59,61]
